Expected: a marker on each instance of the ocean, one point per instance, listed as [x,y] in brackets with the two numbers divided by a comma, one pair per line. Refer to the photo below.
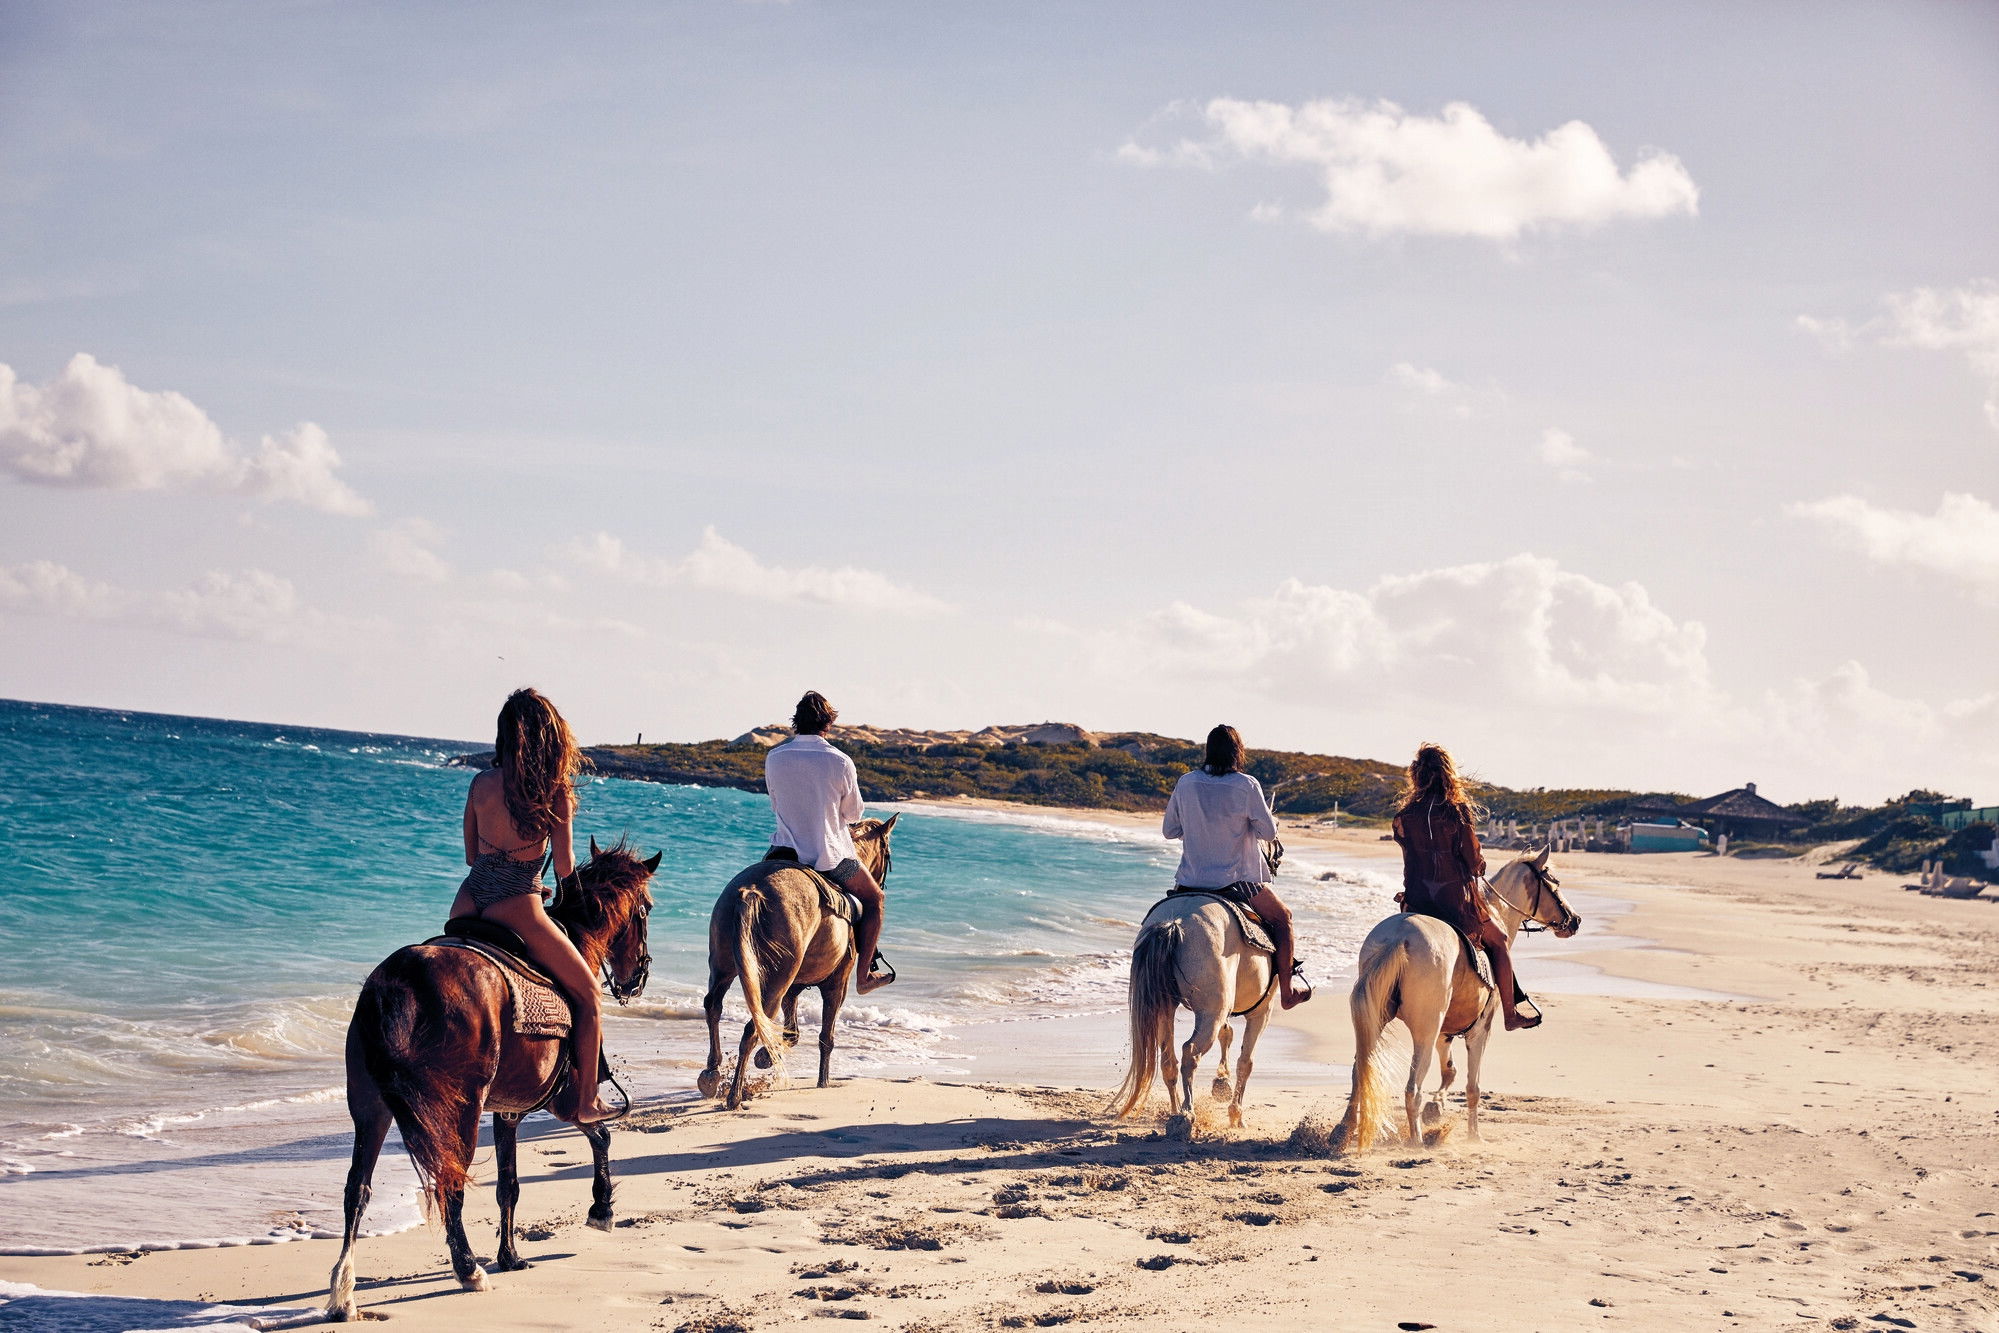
[191,905]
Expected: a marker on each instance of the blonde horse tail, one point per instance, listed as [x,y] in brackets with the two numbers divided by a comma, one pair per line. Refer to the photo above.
[747,915]
[1373,998]
[1155,997]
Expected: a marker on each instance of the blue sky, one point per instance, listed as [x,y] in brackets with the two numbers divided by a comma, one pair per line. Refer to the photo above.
[1141,366]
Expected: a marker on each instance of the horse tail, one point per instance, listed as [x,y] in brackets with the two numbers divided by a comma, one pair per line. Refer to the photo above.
[749,913]
[1154,999]
[430,1111]
[1372,1000]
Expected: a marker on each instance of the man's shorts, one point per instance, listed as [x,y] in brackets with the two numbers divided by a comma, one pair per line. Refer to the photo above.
[847,874]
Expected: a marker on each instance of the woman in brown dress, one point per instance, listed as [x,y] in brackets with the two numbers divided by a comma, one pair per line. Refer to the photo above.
[1441,866]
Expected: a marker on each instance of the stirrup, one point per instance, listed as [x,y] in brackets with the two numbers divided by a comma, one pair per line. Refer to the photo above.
[885,966]
[1530,1019]
[1298,971]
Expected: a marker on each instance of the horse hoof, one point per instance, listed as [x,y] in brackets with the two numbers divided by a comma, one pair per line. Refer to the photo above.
[1221,1091]
[601,1223]
[339,1314]
[1180,1128]
[476,1281]
[710,1082]
[513,1265]
[1235,1117]
[763,1060]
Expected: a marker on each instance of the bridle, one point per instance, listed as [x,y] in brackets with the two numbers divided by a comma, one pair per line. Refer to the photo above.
[631,989]
[1545,885]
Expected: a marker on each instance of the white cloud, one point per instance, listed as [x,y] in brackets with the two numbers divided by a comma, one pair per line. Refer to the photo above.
[720,565]
[1962,319]
[1521,630]
[405,550]
[1387,171]
[1960,541]
[1560,451]
[91,428]
[252,605]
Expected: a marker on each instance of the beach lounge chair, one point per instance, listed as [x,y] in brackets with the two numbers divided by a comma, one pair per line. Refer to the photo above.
[1960,886]
[1851,870]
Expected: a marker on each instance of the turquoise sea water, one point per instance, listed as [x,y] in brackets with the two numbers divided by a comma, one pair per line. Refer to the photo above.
[190,905]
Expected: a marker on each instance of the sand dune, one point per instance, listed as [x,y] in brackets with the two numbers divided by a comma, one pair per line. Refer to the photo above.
[1815,1154]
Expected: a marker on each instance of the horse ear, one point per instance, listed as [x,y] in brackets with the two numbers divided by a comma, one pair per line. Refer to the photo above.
[593,846]
[888,824]
[1540,859]
[653,864]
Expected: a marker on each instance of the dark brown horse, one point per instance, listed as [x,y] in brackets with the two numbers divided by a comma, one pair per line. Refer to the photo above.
[430,1047]
[771,928]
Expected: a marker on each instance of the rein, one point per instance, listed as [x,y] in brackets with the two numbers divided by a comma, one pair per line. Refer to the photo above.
[1530,919]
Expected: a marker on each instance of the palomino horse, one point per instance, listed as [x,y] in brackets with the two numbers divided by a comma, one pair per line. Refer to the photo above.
[430,1046]
[1419,969]
[1191,952]
[771,928]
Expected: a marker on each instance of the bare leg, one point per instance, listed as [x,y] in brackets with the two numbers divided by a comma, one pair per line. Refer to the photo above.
[600,1179]
[869,933]
[371,1125]
[1502,972]
[551,948]
[506,1135]
[1277,922]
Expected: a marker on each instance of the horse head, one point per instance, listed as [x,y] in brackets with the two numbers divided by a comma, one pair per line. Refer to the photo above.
[871,844]
[607,916]
[1547,893]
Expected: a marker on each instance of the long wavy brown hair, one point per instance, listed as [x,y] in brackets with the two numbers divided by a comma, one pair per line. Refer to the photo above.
[537,758]
[1433,775]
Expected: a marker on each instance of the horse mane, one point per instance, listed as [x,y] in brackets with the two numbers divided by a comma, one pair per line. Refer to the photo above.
[608,886]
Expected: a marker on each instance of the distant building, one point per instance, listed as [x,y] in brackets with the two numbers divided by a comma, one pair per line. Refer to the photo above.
[1739,814]
[1965,816]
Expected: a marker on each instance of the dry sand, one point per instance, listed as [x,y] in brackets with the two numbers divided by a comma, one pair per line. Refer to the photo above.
[1818,1153]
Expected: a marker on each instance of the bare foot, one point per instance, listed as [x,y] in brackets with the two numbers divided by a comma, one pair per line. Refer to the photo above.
[595,1111]
[1290,998]
[873,981]
[1518,1022]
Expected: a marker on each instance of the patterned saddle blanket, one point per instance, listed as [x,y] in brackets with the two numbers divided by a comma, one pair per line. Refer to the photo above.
[539,1009]
[1480,963]
[1253,933]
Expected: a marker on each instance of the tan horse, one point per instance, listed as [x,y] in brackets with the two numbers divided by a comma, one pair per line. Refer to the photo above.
[1191,952]
[771,928]
[1419,969]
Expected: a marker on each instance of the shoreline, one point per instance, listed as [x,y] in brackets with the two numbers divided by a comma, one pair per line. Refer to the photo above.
[1811,1147]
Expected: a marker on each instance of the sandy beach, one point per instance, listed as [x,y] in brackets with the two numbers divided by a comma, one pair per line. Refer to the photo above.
[1773,1109]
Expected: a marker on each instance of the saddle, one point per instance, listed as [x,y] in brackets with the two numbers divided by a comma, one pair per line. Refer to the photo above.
[539,1007]
[1480,962]
[1251,925]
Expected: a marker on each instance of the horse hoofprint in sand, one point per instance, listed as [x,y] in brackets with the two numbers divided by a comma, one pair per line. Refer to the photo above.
[1191,952]
[1419,969]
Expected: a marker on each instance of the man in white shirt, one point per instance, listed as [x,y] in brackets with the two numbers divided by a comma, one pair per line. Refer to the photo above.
[1219,815]
[816,796]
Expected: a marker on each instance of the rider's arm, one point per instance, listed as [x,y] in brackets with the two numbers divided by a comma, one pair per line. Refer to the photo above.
[851,808]
[1468,844]
[563,842]
[471,825]
[1171,828]
[1261,821]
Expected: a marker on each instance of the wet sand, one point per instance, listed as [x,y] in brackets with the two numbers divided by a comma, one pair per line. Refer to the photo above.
[1760,1101]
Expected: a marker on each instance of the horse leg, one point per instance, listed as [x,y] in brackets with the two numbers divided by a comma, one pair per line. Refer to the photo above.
[1427,1028]
[1449,1070]
[464,1263]
[710,1082]
[1252,1028]
[789,1027]
[371,1126]
[1220,1090]
[506,1135]
[1196,1046]
[1474,1057]
[832,995]
[599,1135]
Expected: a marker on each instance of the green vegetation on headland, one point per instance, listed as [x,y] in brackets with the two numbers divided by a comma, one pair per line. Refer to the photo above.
[1135,770]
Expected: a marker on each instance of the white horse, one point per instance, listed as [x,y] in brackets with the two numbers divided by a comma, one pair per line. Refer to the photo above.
[1191,952]
[1420,970]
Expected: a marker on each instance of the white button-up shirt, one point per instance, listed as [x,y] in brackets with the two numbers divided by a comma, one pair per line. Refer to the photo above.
[815,795]
[1222,823]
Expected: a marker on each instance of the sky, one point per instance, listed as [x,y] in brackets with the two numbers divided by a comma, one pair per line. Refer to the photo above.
[1610,393]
